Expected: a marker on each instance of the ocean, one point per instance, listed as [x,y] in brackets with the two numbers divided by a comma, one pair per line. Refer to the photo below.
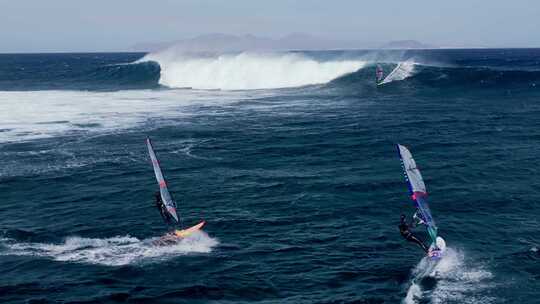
[291,159]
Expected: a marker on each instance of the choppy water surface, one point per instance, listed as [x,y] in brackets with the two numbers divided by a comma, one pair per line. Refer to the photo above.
[297,177]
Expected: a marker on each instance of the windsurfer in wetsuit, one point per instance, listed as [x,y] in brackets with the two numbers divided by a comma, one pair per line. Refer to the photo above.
[408,235]
[378,75]
[169,237]
[161,207]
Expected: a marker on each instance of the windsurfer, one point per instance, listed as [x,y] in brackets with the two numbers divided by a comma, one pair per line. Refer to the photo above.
[161,207]
[408,235]
[379,75]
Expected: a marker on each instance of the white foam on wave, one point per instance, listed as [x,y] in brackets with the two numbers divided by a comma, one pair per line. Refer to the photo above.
[114,251]
[456,281]
[247,71]
[402,71]
[187,147]
[28,115]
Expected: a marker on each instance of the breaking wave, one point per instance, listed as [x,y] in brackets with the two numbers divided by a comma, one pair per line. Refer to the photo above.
[251,70]
[450,280]
[114,251]
[247,71]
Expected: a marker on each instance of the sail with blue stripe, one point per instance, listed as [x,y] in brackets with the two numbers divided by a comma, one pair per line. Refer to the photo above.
[417,189]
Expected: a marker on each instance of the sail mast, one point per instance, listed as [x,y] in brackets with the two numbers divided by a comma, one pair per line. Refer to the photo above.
[163,191]
[417,189]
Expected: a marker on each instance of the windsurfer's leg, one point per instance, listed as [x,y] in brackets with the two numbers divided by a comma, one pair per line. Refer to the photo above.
[164,216]
[168,219]
[414,239]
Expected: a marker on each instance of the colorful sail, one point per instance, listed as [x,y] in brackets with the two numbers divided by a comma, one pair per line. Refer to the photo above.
[417,189]
[164,192]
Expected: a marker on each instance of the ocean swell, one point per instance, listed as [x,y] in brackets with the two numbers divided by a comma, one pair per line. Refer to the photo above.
[247,71]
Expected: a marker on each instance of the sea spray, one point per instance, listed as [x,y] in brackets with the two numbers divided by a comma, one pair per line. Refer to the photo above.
[453,279]
[247,71]
[402,71]
[113,251]
[28,115]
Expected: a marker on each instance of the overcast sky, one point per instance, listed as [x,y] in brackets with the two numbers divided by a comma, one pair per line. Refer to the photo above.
[116,25]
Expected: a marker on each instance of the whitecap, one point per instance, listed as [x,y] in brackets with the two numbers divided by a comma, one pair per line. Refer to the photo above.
[113,251]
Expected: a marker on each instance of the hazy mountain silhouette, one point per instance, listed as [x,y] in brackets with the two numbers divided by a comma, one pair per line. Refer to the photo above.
[229,43]
[218,42]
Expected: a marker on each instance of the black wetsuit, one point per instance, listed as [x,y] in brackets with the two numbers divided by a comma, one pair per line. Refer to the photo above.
[409,236]
[162,209]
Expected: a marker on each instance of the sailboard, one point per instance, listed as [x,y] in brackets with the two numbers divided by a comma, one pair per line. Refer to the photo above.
[188,231]
[163,191]
[379,75]
[176,234]
[418,192]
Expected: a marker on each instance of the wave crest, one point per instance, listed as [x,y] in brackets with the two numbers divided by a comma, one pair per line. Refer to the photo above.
[247,71]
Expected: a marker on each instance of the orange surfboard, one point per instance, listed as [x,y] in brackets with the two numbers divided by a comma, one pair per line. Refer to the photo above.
[186,232]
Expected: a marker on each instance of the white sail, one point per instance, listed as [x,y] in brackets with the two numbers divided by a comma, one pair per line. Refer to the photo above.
[400,72]
[416,182]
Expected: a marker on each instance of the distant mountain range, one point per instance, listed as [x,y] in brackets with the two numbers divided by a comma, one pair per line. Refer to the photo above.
[298,41]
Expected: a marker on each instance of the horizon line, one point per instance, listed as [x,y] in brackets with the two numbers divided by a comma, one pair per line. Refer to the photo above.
[291,50]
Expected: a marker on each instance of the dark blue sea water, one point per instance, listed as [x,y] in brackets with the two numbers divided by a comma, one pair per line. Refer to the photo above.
[291,160]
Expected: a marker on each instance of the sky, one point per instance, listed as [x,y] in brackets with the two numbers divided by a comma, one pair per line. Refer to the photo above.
[117,25]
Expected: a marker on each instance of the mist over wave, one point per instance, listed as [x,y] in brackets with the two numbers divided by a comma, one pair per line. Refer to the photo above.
[248,71]
[402,71]
[271,70]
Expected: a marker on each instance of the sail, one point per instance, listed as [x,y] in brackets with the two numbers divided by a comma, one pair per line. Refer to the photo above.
[165,195]
[402,71]
[417,189]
